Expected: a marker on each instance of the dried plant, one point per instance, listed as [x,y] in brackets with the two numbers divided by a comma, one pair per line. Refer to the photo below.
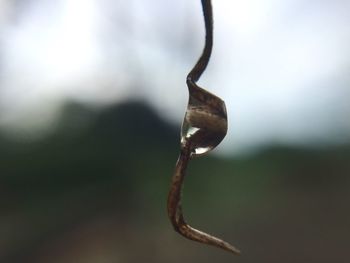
[203,128]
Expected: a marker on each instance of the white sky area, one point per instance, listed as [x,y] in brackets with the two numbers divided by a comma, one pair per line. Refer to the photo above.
[282,67]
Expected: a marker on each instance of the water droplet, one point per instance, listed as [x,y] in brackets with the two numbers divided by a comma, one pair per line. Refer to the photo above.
[205,122]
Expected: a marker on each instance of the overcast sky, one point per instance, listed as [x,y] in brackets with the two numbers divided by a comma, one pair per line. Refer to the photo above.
[281,66]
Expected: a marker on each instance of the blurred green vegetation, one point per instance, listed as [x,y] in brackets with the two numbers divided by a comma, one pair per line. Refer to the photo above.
[95,191]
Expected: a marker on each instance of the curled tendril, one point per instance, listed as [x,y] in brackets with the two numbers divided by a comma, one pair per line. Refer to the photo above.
[203,128]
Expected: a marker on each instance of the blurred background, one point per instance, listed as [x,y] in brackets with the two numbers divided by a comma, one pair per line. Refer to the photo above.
[92,95]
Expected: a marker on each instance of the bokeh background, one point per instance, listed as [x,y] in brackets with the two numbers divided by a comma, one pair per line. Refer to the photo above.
[92,95]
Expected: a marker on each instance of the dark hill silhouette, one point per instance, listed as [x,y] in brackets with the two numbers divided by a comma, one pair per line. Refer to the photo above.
[89,146]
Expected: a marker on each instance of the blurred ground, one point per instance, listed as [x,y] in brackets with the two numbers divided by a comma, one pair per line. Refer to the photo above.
[95,191]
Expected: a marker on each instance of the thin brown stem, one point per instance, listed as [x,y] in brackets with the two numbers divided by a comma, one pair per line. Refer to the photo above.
[202,62]
[175,209]
[206,115]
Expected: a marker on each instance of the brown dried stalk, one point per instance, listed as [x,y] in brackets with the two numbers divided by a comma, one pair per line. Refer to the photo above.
[203,128]
[175,209]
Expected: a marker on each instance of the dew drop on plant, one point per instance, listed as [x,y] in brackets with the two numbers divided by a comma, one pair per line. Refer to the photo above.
[205,122]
